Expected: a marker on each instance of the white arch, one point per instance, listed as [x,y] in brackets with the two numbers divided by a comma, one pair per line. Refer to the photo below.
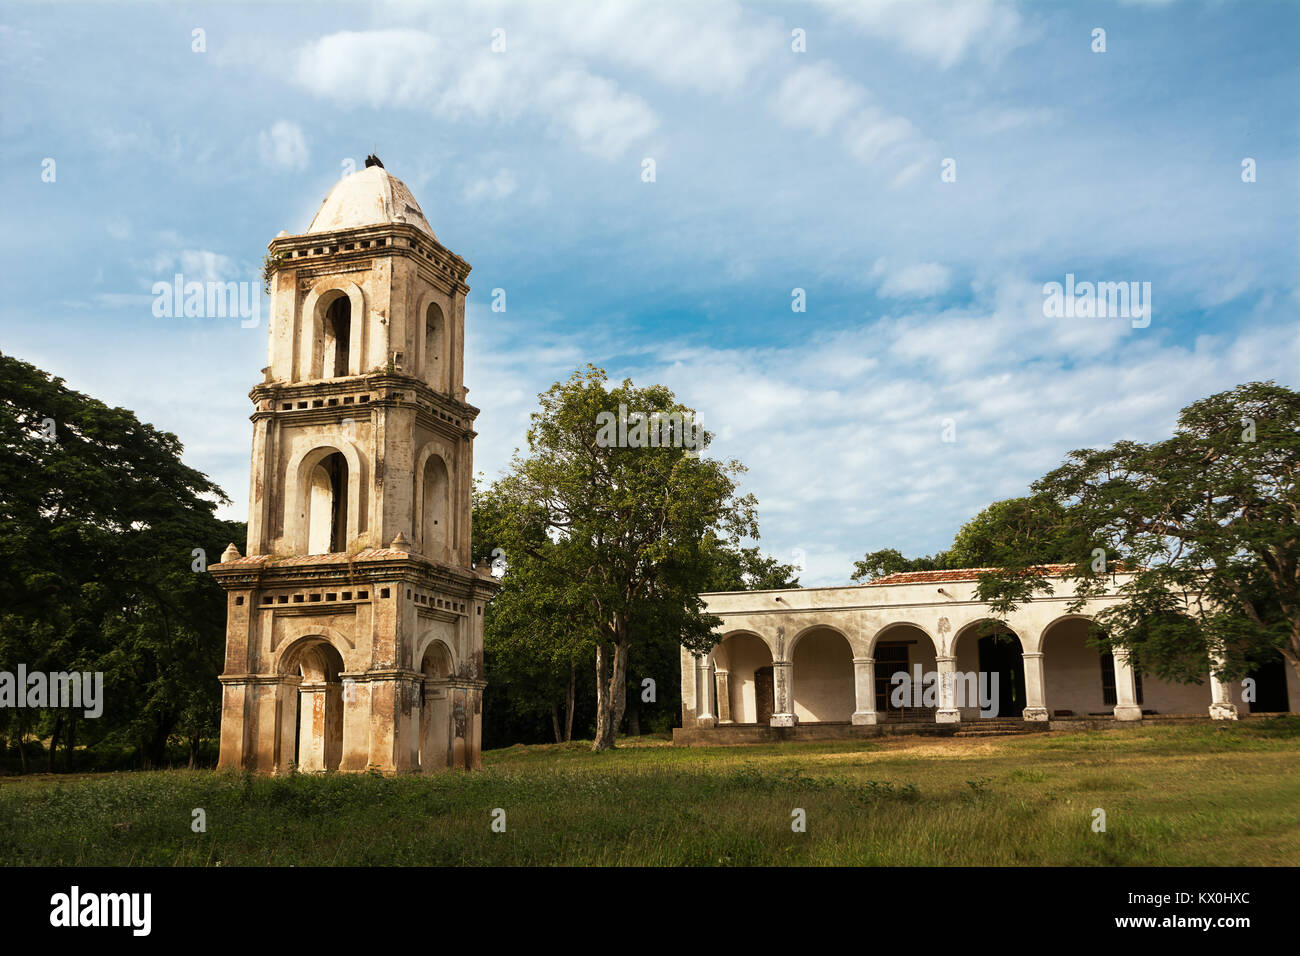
[794,641]
[306,633]
[875,638]
[431,637]
[312,317]
[960,631]
[428,450]
[298,483]
[427,299]
[1041,643]
[771,651]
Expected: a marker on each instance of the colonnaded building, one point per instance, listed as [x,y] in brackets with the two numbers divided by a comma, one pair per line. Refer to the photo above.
[818,663]
[355,620]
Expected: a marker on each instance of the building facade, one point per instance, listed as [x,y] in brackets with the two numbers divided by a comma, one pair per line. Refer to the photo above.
[355,618]
[827,657]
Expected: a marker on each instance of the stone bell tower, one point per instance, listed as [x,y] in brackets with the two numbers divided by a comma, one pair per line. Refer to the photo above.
[355,620]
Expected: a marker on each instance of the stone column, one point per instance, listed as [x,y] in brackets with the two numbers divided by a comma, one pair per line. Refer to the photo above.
[476,725]
[286,713]
[947,712]
[466,723]
[356,723]
[1222,706]
[704,696]
[690,687]
[864,690]
[783,691]
[1035,698]
[1126,705]
[312,732]
[235,695]
[724,697]
[435,732]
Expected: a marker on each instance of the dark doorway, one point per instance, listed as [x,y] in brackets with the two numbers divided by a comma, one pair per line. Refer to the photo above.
[890,660]
[764,695]
[338,337]
[1270,687]
[1001,655]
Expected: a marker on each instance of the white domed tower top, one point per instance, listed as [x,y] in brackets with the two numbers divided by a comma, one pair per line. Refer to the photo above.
[370,197]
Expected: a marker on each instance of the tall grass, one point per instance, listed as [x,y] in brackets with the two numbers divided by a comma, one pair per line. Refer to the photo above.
[1193,795]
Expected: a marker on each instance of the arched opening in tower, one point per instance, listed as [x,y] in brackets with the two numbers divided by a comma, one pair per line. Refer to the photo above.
[436,533]
[318,732]
[437,745]
[434,326]
[327,529]
[338,337]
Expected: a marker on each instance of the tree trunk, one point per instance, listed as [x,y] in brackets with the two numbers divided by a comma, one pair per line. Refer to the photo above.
[22,754]
[618,683]
[194,751]
[54,744]
[555,722]
[604,735]
[611,693]
[633,719]
[568,703]
[1293,654]
[70,740]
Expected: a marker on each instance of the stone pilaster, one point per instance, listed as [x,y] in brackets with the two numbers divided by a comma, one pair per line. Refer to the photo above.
[1222,706]
[864,690]
[724,697]
[435,727]
[783,680]
[704,693]
[1126,705]
[947,712]
[1035,693]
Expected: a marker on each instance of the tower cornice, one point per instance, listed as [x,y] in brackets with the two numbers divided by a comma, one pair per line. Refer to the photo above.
[321,402]
[330,252]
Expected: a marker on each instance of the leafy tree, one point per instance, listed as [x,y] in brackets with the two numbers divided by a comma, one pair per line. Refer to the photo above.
[531,650]
[99,519]
[538,665]
[1030,531]
[745,569]
[879,564]
[624,525]
[1208,520]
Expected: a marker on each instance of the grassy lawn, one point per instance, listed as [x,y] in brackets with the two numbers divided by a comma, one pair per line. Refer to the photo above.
[1185,795]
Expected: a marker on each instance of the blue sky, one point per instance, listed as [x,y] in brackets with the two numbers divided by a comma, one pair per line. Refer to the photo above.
[775,170]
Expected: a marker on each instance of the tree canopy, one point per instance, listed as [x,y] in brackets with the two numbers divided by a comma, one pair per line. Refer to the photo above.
[100,521]
[1207,520]
[611,542]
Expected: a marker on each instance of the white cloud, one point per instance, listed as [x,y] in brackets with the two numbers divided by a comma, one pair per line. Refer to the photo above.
[283,146]
[819,99]
[943,31]
[843,433]
[712,48]
[921,280]
[455,79]
[498,186]
[604,120]
[1001,120]
[816,98]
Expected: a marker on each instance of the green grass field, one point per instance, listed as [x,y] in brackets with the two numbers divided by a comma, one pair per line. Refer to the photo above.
[1184,795]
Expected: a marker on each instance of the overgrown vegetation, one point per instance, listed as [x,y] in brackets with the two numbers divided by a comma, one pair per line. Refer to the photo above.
[104,539]
[891,801]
